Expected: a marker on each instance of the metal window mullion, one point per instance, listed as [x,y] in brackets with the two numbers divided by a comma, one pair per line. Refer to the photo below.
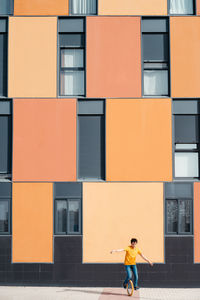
[67,216]
[178,218]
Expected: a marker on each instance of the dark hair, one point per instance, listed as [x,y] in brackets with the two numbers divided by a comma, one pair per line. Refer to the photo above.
[134,241]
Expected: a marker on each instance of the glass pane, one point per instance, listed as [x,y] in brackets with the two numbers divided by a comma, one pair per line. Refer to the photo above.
[61,216]
[83,7]
[182,7]
[186,146]
[72,58]
[156,83]
[172,216]
[4,216]
[72,83]
[71,40]
[155,47]
[186,165]
[186,129]
[74,216]
[185,216]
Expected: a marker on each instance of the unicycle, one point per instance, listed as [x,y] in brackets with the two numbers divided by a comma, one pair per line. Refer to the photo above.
[130,288]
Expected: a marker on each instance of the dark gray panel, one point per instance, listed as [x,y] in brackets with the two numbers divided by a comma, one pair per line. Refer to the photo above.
[186,129]
[5,107]
[6,189]
[91,147]
[155,47]
[5,144]
[155,25]
[185,107]
[71,25]
[91,107]
[6,7]
[3,64]
[178,190]
[68,189]
[3,25]
[72,40]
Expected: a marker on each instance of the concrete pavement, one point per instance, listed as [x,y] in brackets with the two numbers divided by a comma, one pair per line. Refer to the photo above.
[60,293]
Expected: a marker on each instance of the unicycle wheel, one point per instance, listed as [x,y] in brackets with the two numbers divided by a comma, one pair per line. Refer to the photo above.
[130,288]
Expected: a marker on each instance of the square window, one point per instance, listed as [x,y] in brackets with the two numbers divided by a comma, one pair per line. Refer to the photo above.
[187,164]
[156,83]
[83,7]
[72,58]
[72,83]
[181,7]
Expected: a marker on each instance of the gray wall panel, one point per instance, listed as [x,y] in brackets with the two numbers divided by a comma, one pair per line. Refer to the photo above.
[185,107]
[178,190]
[6,7]
[91,107]
[154,25]
[71,25]
[6,189]
[68,189]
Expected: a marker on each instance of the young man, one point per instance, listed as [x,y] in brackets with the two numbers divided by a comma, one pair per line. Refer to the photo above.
[130,262]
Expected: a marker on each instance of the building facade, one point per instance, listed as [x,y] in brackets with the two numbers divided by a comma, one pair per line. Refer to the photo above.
[99,140]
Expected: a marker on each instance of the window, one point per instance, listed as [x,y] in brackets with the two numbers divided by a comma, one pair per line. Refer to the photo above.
[72,57]
[186,138]
[155,44]
[5,201]
[179,207]
[6,7]
[181,7]
[83,7]
[67,208]
[5,139]
[3,56]
[91,140]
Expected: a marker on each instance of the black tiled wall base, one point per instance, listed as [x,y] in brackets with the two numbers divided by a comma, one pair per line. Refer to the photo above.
[68,269]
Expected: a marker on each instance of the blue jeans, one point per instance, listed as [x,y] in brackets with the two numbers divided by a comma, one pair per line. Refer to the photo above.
[129,274]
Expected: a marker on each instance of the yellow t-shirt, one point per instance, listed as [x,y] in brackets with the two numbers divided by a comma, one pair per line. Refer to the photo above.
[131,253]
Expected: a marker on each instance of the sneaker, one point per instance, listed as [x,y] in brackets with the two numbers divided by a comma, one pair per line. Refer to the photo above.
[124,285]
[136,288]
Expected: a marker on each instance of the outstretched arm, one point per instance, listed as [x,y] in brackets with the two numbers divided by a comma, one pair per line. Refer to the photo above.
[146,259]
[119,250]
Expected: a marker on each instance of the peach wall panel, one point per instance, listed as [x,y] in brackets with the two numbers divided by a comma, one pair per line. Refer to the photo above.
[44,140]
[138,140]
[197,222]
[133,7]
[32,234]
[113,213]
[40,7]
[185,59]
[113,57]
[32,61]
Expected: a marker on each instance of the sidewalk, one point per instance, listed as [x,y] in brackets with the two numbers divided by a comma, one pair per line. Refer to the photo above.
[60,293]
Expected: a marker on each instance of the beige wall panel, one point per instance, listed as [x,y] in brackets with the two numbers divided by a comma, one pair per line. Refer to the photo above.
[113,213]
[132,7]
[32,60]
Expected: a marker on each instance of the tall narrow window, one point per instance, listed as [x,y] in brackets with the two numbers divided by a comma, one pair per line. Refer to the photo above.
[91,140]
[181,7]
[67,208]
[5,139]
[3,56]
[72,57]
[5,204]
[155,44]
[178,206]
[186,138]
[83,7]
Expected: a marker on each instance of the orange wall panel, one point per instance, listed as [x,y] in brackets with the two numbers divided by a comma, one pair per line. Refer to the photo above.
[197,222]
[198,7]
[185,59]
[44,140]
[32,213]
[113,213]
[132,7]
[113,57]
[40,7]
[32,61]
[138,139]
